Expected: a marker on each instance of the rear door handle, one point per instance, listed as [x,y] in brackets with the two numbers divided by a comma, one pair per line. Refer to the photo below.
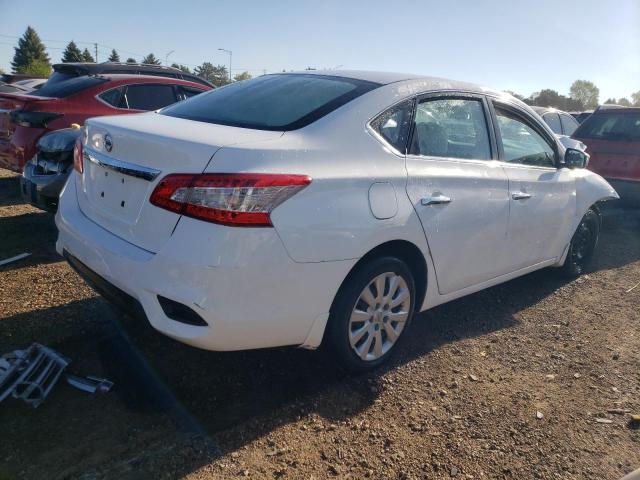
[438,199]
[520,195]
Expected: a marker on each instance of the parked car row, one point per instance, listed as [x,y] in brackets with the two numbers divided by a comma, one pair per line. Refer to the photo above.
[612,137]
[72,94]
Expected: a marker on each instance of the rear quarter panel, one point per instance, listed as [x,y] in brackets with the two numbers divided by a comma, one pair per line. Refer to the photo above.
[331,219]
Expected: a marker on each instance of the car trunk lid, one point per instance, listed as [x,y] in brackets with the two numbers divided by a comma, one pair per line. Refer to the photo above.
[10,102]
[126,157]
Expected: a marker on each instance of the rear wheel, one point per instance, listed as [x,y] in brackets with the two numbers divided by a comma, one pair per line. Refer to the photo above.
[371,313]
[583,245]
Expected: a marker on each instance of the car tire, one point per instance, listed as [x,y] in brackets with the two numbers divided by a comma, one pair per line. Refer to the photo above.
[366,326]
[583,245]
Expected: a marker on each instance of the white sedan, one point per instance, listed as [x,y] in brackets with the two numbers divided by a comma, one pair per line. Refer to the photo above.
[322,207]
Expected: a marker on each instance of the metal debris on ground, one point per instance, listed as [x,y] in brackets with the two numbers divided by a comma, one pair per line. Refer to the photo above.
[30,374]
[89,384]
[14,259]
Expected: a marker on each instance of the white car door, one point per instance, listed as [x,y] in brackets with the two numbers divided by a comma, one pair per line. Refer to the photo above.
[542,196]
[458,189]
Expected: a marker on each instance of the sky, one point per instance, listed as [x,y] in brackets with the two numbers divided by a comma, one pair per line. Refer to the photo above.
[518,45]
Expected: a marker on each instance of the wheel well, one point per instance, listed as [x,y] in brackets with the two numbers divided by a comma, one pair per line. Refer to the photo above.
[410,255]
[596,208]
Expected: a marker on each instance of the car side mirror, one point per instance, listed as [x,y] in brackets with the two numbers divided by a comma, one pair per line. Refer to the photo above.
[575,158]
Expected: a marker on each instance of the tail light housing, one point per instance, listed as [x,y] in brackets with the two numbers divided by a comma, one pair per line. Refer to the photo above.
[33,119]
[78,152]
[234,199]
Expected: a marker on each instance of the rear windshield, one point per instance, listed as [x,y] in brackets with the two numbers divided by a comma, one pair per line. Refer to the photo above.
[64,88]
[271,102]
[623,126]
[60,77]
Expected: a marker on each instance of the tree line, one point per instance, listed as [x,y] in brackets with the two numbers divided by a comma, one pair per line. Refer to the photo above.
[583,95]
[31,58]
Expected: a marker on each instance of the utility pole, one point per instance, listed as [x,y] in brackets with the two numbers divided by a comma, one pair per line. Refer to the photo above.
[96,46]
[166,58]
[230,56]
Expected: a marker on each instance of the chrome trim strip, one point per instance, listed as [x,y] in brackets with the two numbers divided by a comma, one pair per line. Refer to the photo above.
[121,166]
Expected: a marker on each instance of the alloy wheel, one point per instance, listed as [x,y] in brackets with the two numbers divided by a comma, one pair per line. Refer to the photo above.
[379,316]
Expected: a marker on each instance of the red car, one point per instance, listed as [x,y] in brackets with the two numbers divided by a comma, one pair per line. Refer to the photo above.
[612,136]
[24,118]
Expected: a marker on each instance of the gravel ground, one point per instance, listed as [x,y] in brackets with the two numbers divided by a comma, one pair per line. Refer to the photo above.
[535,378]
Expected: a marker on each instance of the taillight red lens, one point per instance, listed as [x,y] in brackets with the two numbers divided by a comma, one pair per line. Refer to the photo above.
[77,156]
[235,199]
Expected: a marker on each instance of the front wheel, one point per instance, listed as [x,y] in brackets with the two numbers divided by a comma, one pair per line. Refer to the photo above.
[370,314]
[583,245]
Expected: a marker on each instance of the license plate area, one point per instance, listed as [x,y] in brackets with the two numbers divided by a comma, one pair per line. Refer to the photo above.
[114,194]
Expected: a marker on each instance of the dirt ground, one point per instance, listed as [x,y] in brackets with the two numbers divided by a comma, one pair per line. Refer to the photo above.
[535,378]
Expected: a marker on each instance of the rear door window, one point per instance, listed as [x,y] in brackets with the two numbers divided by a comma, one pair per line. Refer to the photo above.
[569,124]
[451,127]
[150,96]
[113,97]
[394,125]
[553,120]
[185,92]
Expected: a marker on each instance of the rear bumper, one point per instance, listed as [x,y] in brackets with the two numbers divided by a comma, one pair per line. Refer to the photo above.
[240,281]
[17,150]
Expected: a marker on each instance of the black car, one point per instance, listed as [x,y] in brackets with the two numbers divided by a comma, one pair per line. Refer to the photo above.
[64,71]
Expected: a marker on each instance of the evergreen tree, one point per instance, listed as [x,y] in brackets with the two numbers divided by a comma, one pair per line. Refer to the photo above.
[151,60]
[131,60]
[114,57]
[183,68]
[37,68]
[87,57]
[29,48]
[72,53]
[218,75]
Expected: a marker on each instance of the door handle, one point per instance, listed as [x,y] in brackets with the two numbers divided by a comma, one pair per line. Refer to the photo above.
[438,199]
[520,195]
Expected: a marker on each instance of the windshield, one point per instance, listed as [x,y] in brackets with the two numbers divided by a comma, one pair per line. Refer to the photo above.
[271,102]
[68,87]
[623,126]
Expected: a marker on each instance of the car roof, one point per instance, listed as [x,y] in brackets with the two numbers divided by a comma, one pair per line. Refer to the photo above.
[386,78]
[147,78]
[607,108]
[87,68]
[542,110]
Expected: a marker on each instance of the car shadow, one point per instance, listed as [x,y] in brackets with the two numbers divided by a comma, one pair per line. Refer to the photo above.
[618,221]
[34,233]
[10,191]
[264,389]
[224,390]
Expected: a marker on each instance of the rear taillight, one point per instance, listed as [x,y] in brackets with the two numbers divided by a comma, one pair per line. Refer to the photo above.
[33,119]
[78,152]
[235,199]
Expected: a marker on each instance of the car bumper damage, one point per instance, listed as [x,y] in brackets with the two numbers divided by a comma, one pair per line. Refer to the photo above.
[209,289]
